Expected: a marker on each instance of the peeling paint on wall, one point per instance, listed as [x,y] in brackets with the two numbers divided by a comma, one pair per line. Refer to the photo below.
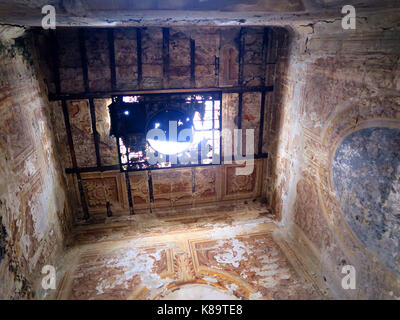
[33,204]
[366,175]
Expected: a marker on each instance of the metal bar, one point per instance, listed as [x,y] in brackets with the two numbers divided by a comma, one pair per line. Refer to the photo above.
[199,154]
[95,133]
[220,128]
[240,110]
[241,55]
[263,94]
[108,208]
[240,107]
[213,126]
[128,163]
[56,65]
[192,63]
[264,55]
[193,180]
[108,204]
[150,179]
[165,55]
[94,169]
[216,70]
[217,60]
[100,95]
[128,188]
[82,195]
[111,49]
[117,167]
[139,56]
[119,156]
[69,133]
[82,48]
[73,159]
[261,131]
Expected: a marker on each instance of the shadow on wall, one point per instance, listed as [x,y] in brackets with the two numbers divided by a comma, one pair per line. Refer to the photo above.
[276,74]
[3,236]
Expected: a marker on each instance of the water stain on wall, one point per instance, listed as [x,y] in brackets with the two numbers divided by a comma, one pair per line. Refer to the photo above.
[366,176]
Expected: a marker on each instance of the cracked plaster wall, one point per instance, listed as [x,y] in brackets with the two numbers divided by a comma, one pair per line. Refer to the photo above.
[34,213]
[338,82]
